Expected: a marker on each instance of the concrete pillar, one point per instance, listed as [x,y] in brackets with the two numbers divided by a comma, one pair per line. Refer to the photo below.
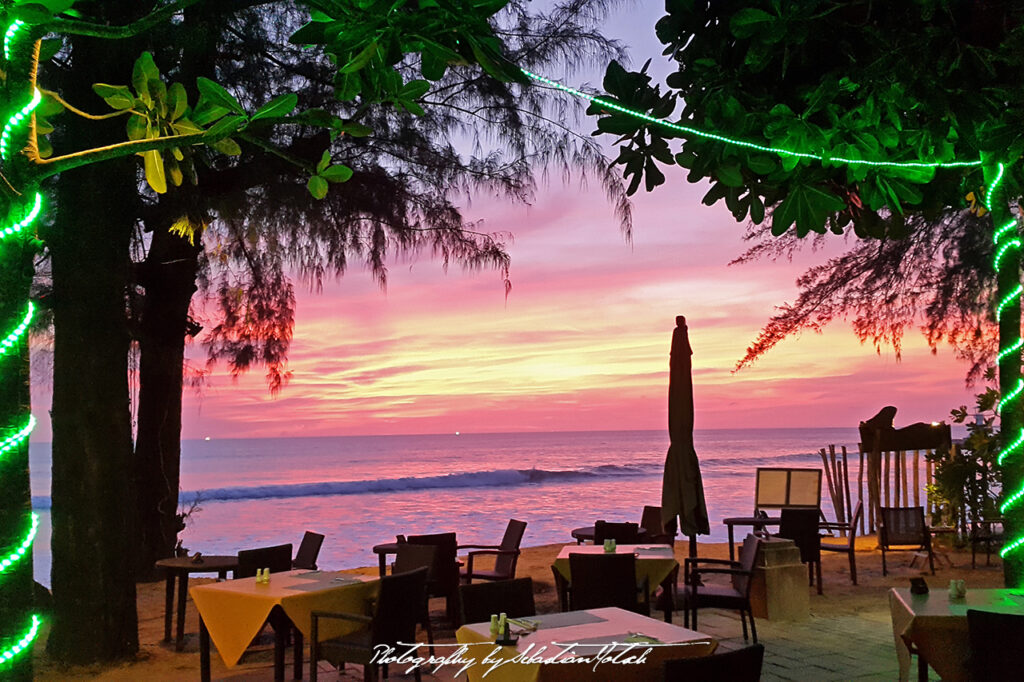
[779,590]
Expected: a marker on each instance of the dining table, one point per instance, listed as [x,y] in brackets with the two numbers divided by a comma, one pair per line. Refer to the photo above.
[594,645]
[935,625]
[233,612]
[176,571]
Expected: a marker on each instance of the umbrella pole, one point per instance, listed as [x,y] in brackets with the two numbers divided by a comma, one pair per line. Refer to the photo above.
[693,546]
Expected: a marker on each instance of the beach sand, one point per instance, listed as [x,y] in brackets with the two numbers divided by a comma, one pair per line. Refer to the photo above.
[157,661]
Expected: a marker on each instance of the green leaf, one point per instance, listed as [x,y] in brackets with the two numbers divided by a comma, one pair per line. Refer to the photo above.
[762,164]
[184,126]
[226,126]
[312,33]
[277,107]
[729,174]
[756,209]
[354,129]
[414,90]
[227,146]
[216,94]
[49,48]
[412,107]
[207,112]
[155,176]
[325,161]
[316,117]
[143,72]
[45,148]
[136,127]
[337,173]
[619,125]
[359,61]
[117,96]
[808,206]
[177,101]
[749,21]
[317,187]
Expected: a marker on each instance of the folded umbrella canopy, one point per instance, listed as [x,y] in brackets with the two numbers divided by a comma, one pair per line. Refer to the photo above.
[682,491]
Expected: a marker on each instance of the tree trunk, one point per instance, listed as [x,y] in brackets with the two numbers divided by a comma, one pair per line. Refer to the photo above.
[93,492]
[168,276]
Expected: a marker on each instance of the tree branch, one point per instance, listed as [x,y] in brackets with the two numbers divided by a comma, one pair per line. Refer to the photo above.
[59,164]
[84,114]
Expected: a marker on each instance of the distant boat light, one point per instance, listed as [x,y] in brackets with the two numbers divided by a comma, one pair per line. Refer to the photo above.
[207,438]
[456,433]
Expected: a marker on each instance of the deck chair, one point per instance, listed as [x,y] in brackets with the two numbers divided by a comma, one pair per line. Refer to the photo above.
[849,545]
[741,665]
[695,594]
[309,550]
[657,533]
[506,555]
[622,533]
[801,526]
[478,601]
[996,642]
[903,528]
[600,580]
[277,558]
[387,622]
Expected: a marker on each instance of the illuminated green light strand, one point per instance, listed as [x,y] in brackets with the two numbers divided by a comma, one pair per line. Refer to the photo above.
[15,120]
[1013,243]
[1007,300]
[12,339]
[20,646]
[1009,350]
[1010,547]
[9,36]
[16,227]
[16,439]
[19,552]
[743,143]
[993,186]
[1011,395]
[1009,450]
[1001,232]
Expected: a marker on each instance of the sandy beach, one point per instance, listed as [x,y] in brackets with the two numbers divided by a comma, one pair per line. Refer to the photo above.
[158,661]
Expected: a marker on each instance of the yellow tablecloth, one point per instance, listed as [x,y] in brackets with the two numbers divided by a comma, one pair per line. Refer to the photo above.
[655,562]
[234,611]
[937,625]
[612,624]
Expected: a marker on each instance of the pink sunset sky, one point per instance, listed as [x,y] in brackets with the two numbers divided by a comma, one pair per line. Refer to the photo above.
[582,341]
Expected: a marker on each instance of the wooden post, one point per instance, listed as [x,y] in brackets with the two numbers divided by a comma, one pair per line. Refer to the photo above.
[903,473]
[917,478]
[885,482]
[846,486]
[828,474]
[868,518]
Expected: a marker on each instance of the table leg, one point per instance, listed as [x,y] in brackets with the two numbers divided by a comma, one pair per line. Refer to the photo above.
[297,644]
[169,606]
[732,542]
[182,594]
[204,651]
[382,564]
[280,622]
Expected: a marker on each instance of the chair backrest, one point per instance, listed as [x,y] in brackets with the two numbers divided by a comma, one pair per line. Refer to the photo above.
[395,616]
[309,550]
[801,526]
[599,580]
[512,597]
[858,512]
[996,642]
[277,558]
[622,533]
[505,564]
[740,665]
[749,554]
[903,526]
[650,520]
[410,557]
[444,579]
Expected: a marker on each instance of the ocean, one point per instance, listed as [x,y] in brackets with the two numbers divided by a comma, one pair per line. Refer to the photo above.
[360,491]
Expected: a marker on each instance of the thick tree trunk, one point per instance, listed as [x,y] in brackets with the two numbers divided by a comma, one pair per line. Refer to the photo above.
[168,276]
[93,492]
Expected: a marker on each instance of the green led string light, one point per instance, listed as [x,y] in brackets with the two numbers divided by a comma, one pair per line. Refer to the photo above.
[16,119]
[17,438]
[18,552]
[1012,244]
[12,30]
[30,217]
[1009,349]
[1003,455]
[743,143]
[1011,395]
[22,643]
[19,331]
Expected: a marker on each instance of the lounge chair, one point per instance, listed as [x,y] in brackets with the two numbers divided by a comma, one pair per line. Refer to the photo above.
[506,555]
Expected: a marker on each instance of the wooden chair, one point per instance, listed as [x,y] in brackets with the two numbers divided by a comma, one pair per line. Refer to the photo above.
[622,533]
[740,665]
[801,526]
[309,550]
[600,580]
[695,594]
[386,622]
[657,533]
[277,558]
[996,642]
[849,545]
[444,578]
[478,601]
[903,528]
[506,555]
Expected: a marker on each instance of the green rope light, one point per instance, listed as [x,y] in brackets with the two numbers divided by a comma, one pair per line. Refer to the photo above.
[1009,349]
[1007,300]
[1001,232]
[18,552]
[15,439]
[695,132]
[1011,395]
[12,30]
[16,119]
[30,217]
[1012,244]
[9,342]
[22,643]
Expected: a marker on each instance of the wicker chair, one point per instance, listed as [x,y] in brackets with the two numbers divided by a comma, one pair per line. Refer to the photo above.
[996,642]
[599,580]
[506,555]
[277,558]
[903,528]
[849,546]
[309,550]
[622,533]
[444,576]
[409,558]
[695,594]
[657,533]
[514,598]
[801,526]
[740,665]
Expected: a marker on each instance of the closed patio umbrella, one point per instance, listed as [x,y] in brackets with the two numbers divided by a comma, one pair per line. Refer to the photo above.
[682,491]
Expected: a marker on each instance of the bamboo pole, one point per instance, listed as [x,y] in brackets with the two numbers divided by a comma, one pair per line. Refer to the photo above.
[868,518]
[828,474]
[837,476]
[903,473]
[846,486]
[885,482]
[917,478]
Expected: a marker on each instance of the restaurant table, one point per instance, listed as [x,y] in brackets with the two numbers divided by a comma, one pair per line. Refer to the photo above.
[232,613]
[589,631]
[382,550]
[586,533]
[754,521]
[937,625]
[180,567]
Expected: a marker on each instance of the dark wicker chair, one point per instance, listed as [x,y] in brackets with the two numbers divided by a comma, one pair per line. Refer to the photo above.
[309,550]
[801,526]
[695,594]
[277,558]
[506,555]
[444,578]
[847,545]
[389,622]
[409,558]
[478,601]
[657,533]
[740,665]
[996,642]
[599,580]
[622,533]
[903,528]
